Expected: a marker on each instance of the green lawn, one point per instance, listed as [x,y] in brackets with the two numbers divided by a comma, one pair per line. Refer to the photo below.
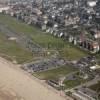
[72,83]
[72,53]
[12,51]
[75,82]
[55,73]
[38,36]
[43,39]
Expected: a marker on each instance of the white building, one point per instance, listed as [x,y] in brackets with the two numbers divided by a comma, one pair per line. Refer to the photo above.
[4,9]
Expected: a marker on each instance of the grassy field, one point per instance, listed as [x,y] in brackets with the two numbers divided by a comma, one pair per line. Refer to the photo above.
[45,40]
[72,53]
[12,51]
[38,36]
[73,83]
[55,73]
[96,87]
[77,80]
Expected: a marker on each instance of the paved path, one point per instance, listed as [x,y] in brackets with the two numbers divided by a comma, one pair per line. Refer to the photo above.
[19,83]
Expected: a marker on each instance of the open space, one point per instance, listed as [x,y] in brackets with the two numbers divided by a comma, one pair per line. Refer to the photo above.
[12,51]
[73,83]
[35,33]
[43,39]
[55,73]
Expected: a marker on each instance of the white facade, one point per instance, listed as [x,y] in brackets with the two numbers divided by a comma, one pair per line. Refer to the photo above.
[4,9]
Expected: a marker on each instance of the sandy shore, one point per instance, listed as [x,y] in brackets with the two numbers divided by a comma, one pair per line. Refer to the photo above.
[16,84]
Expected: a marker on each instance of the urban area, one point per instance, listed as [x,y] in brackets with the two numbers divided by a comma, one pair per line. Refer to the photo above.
[55,41]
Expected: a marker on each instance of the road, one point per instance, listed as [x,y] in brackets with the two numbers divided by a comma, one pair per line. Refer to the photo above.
[16,82]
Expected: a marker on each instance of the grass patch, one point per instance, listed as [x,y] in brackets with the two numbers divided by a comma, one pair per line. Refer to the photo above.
[72,53]
[72,83]
[43,39]
[75,81]
[38,36]
[55,73]
[11,50]
[96,87]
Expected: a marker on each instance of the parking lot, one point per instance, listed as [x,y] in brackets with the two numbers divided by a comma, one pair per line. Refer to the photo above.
[44,65]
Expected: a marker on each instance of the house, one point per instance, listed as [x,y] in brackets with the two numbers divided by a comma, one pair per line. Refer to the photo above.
[89,44]
[4,8]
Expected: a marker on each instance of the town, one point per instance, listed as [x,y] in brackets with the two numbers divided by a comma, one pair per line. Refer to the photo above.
[63,37]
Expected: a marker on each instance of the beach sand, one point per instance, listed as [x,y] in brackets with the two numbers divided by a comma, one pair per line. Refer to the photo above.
[16,85]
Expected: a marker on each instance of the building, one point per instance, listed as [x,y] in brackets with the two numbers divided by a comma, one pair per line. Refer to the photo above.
[84,94]
[4,8]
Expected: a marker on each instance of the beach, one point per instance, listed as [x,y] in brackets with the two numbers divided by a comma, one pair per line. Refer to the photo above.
[16,85]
